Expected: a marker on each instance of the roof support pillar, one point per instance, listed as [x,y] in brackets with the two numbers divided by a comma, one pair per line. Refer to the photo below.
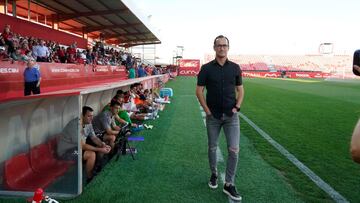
[14,8]
[55,21]
[84,33]
[29,11]
[3,7]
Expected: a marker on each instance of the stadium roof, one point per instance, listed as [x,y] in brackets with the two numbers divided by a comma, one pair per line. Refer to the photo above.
[118,20]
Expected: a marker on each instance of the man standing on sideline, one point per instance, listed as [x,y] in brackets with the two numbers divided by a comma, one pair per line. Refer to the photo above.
[221,78]
[32,78]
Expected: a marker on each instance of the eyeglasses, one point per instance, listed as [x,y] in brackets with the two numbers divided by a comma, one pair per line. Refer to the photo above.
[221,46]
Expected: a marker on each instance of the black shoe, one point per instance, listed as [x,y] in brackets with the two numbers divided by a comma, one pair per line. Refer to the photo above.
[88,180]
[231,192]
[213,181]
[97,168]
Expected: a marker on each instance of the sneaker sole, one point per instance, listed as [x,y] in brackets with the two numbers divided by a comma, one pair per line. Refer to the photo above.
[232,197]
[213,186]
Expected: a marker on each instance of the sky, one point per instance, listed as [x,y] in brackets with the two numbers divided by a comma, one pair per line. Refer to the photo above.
[253,26]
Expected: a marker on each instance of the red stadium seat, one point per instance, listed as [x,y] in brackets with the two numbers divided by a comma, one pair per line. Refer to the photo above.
[38,168]
[19,175]
[52,143]
[43,161]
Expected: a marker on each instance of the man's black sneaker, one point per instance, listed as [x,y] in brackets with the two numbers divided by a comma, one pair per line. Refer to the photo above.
[88,180]
[231,192]
[213,181]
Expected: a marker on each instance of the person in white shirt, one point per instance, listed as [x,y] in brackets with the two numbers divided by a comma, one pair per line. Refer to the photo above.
[41,52]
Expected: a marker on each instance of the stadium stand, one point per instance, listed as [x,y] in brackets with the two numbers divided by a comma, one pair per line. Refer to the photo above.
[307,63]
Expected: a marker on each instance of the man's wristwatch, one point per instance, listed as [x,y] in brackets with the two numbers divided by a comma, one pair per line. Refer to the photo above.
[237,108]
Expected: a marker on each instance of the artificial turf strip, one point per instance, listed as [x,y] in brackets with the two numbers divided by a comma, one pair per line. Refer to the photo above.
[256,180]
[314,121]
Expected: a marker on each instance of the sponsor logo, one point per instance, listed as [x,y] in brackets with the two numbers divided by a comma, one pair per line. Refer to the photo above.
[271,75]
[188,72]
[188,64]
[304,75]
[65,70]
[101,70]
[252,75]
[9,70]
[318,75]
[117,69]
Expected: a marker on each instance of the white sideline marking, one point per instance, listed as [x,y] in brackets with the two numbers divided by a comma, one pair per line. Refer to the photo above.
[219,156]
[203,114]
[337,197]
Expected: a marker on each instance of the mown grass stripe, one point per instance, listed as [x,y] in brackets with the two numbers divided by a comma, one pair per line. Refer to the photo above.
[337,197]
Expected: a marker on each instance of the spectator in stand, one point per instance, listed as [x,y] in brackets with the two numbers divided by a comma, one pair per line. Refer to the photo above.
[148,70]
[32,78]
[155,71]
[50,51]
[16,56]
[3,55]
[2,41]
[56,59]
[90,57]
[123,59]
[71,54]
[61,54]
[41,52]
[128,61]
[28,55]
[101,47]
[32,44]
[7,36]
[24,48]
[141,71]
[100,59]
[132,72]
[82,57]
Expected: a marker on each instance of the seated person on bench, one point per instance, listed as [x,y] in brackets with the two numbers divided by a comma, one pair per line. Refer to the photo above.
[89,151]
[67,143]
[104,125]
[122,118]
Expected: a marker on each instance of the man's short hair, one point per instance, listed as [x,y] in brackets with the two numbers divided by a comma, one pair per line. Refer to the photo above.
[119,92]
[85,109]
[132,86]
[117,97]
[221,36]
[114,103]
